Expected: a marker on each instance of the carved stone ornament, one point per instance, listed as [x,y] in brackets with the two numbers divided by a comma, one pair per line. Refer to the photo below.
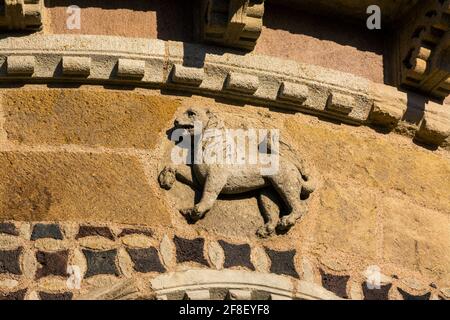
[21,14]
[290,182]
[232,23]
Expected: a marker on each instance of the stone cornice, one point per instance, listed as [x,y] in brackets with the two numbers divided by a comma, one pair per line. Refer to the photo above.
[202,70]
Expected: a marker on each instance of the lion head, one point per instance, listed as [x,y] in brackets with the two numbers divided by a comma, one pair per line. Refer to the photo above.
[197,116]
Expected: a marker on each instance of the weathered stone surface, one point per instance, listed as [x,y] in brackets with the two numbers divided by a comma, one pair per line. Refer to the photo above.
[9,261]
[308,270]
[293,91]
[236,255]
[187,75]
[76,66]
[52,263]
[335,283]
[8,228]
[167,249]
[128,231]
[127,68]
[146,260]
[50,244]
[190,250]
[282,262]
[244,83]
[23,65]
[41,231]
[86,231]
[84,187]
[216,255]
[101,262]
[260,259]
[56,296]
[86,117]
[8,283]
[341,103]
[97,243]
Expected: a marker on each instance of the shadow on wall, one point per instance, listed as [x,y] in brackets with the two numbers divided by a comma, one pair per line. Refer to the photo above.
[174,19]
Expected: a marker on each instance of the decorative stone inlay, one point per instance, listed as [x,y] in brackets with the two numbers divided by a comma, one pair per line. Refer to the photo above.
[187,75]
[129,231]
[8,228]
[56,296]
[236,255]
[136,241]
[86,231]
[101,262]
[216,254]
[308,270]
[260,259]
[20,65]
[408,296]
[240,82]
[9,261]
[76,66]
[16,295]
[97,243]
[146,260]
[41,231]
[8,283]
[376,294]
[293,91]
[52,263]
[167,249]
[128,68]
[190,250]
[335,283]
[282,262]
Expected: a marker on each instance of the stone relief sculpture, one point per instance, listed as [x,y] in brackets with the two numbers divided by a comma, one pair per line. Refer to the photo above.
[292,181]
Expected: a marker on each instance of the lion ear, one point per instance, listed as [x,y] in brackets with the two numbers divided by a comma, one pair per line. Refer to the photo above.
[209,113]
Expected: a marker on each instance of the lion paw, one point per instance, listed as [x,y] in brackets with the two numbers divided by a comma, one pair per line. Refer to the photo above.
[265,231]
[192,214]
[286,223]
[167,178]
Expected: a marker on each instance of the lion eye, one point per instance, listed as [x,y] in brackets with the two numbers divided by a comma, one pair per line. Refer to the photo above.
[190,113]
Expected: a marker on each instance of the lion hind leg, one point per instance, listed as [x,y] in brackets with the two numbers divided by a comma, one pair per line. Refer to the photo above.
[270,211]
[289,190]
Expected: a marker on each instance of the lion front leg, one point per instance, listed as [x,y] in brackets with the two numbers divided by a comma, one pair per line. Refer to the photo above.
[214,183]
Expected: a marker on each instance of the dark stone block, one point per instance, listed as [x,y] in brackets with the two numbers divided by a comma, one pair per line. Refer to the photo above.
[8,228]
[10,261]
[87,231]
[56,296]
[16,295]
[190,250]
[282,262]
[101,262]
[135,231]
[52,263]
[146,260]
[376,294]
[407,296]
[41,231]
[236,255]
[334,283]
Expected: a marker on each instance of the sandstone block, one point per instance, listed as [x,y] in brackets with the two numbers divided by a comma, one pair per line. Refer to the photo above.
[340,103]
[244,83]
[76,66]
[111,119]
[187,75]
[20,65]
[127,68]
[293,92]
[60,186]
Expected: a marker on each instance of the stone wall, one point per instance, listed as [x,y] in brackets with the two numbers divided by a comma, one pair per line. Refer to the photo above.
[79,187]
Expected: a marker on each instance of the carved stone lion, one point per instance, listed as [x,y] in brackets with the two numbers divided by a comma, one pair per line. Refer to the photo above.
[292,181]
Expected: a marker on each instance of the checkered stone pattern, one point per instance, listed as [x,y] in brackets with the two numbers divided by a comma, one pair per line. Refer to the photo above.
[63,261]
